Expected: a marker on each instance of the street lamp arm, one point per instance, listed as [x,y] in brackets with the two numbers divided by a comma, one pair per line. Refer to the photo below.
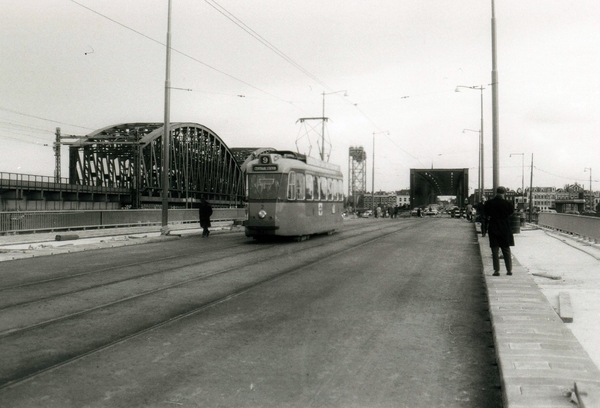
[479,88]
[335,92]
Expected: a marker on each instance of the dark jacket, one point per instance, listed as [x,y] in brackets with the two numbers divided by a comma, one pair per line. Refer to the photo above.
[498,212]
[205,213]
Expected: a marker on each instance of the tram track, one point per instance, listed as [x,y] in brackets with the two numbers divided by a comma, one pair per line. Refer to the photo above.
[128,265]
[121,269]
[101,270]
[12,312]
[155,263]
[239,280]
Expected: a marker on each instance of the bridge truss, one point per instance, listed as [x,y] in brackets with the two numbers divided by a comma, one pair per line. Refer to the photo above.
[130,156]
[426,185]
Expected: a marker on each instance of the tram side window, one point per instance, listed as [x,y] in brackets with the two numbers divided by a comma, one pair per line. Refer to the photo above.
[323,188]
[291,187]
[341,189]
[316,187]
[334,189]
[329,189]
[309,187]
[300,186]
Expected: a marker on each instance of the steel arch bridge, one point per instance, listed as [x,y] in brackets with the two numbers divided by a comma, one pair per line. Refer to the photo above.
[130,156]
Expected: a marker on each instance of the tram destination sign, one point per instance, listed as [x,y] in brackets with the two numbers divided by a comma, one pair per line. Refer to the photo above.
[264,167]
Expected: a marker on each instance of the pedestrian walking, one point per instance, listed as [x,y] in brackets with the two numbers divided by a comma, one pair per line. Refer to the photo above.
[469,212]
[498,212]
[205,213]
[482,218]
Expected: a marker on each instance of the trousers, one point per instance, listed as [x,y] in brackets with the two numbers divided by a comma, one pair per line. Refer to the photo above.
[505,254]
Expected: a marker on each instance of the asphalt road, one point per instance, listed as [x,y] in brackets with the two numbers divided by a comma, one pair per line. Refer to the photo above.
[385,313]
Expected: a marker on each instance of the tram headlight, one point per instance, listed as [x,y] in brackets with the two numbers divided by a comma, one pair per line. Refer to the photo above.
[262,214]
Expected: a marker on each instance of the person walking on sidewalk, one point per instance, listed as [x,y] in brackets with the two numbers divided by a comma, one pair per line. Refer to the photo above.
[498,212]
[482,217]
[205,213]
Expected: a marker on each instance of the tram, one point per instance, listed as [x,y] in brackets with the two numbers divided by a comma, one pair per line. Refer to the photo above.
[292,195]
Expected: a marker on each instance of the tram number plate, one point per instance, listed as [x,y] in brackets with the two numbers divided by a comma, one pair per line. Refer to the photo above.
[270,167]
[320,208]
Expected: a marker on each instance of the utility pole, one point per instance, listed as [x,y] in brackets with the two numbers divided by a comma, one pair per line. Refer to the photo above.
[57,156]
[166,133]
[495,126]
[531,191]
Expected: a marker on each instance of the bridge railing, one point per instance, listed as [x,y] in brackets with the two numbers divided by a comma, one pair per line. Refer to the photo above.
[38,221]
[30,181]
[579,225]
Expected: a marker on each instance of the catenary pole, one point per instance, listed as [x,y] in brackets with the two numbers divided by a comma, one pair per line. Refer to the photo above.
[166,132]
[531,191]
[495,125]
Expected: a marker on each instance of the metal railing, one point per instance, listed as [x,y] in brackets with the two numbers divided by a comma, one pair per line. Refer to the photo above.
[579,225]
[30,181]
[37,221]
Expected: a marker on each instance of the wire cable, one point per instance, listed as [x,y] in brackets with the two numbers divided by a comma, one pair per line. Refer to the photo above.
[183,54]
[40,118]
[262,40]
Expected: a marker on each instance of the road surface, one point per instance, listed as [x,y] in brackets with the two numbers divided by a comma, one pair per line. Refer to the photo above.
[387,312]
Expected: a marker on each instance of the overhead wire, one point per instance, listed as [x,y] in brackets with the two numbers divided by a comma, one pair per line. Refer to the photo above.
[22,140]
[40,118]
[238,22]
[222,10]
[13,125]
[182,53]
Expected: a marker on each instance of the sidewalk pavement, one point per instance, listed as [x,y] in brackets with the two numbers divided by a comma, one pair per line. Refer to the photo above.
[542,360]
[19,246]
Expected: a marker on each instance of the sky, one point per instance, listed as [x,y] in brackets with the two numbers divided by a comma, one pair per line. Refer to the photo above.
[389,70]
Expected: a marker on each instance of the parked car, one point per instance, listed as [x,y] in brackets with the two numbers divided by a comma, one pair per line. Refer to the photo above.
[414,212]
[367,214]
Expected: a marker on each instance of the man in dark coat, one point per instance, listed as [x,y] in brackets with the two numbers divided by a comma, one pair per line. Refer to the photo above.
[205,213]
[498,212]
[482,217]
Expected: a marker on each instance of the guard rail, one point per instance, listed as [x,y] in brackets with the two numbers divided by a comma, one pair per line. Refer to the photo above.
[582,226]
[37,221]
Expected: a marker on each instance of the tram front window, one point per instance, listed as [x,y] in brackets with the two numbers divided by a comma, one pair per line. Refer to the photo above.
[264,186]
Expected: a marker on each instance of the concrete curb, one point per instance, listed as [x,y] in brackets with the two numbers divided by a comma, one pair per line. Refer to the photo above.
[14,247]
[539,359]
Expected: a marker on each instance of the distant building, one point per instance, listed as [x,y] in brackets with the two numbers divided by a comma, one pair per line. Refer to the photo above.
[570,199]
[403,197]
[543,198]
[385,199]
[382,199]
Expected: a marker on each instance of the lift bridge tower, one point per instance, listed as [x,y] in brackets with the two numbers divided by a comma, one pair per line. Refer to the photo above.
[357,174]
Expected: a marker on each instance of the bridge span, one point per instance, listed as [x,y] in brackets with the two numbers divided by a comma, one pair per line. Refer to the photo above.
[121,166]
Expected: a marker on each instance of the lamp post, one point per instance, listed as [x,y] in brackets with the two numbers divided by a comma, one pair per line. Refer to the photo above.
[324,119]
[522,176]
[373,172]
[479,184]
[481,156]
[591,194]
[495,120]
